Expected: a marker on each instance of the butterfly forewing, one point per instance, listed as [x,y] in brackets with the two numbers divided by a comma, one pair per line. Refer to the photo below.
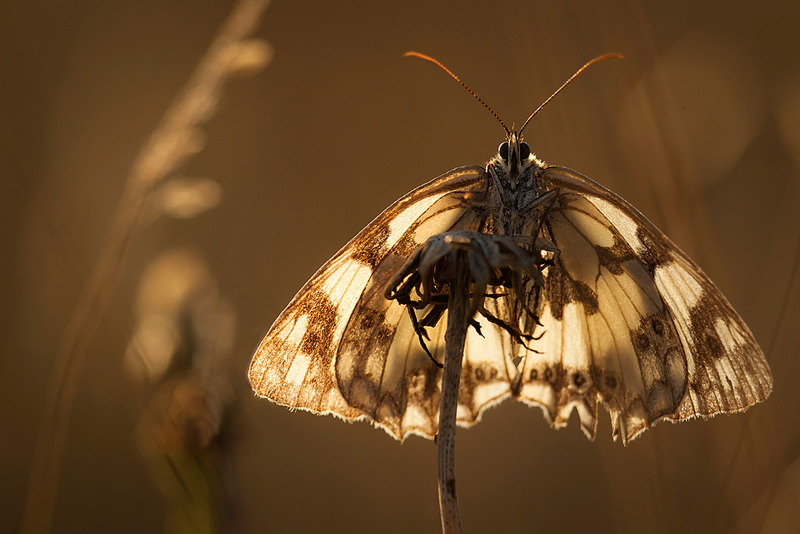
[631,322]
[341,347]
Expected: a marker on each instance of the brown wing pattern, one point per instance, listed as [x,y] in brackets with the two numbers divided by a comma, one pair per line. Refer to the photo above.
[627,320]
[630,321]
[341,348]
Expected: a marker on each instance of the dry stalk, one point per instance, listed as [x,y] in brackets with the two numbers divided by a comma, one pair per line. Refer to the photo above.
[458,315]
[463,265]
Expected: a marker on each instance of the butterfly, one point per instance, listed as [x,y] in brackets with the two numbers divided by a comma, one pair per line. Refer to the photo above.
[621,316]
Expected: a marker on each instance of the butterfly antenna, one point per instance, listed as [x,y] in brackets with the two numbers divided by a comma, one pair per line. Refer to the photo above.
[580,70]
[456,78]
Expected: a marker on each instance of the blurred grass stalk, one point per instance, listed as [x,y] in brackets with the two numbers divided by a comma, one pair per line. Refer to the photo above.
[176,139]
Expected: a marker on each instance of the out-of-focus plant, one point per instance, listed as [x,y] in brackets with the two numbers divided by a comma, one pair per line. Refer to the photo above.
[183,335]
[173,142]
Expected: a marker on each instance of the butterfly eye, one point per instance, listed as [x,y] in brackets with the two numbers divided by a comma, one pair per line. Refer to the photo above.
[524,151]
[503,150]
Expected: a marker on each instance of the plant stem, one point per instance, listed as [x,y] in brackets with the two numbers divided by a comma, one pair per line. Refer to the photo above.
[458,315]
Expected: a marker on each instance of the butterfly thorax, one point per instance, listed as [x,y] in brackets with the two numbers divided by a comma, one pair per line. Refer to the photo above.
[514,187]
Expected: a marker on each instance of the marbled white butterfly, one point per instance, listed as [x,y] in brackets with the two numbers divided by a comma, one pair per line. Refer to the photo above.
[624,317]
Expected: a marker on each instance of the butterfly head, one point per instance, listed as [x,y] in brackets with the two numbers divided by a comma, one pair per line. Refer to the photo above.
[514,156]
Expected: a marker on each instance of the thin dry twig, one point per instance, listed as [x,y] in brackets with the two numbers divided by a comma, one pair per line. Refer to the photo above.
[175,139]
[458,317]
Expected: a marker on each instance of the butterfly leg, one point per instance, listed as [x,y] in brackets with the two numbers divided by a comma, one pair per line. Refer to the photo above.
[518,336]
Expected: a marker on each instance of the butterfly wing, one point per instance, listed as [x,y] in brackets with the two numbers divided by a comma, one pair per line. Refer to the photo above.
[630,321]
[340,347]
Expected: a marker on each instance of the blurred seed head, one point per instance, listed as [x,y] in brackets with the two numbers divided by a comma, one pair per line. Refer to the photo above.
[178,306]
[248,57]
[183,335]
[184,198]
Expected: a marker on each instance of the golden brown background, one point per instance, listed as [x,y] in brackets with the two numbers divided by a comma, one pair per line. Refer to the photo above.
[699,127]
